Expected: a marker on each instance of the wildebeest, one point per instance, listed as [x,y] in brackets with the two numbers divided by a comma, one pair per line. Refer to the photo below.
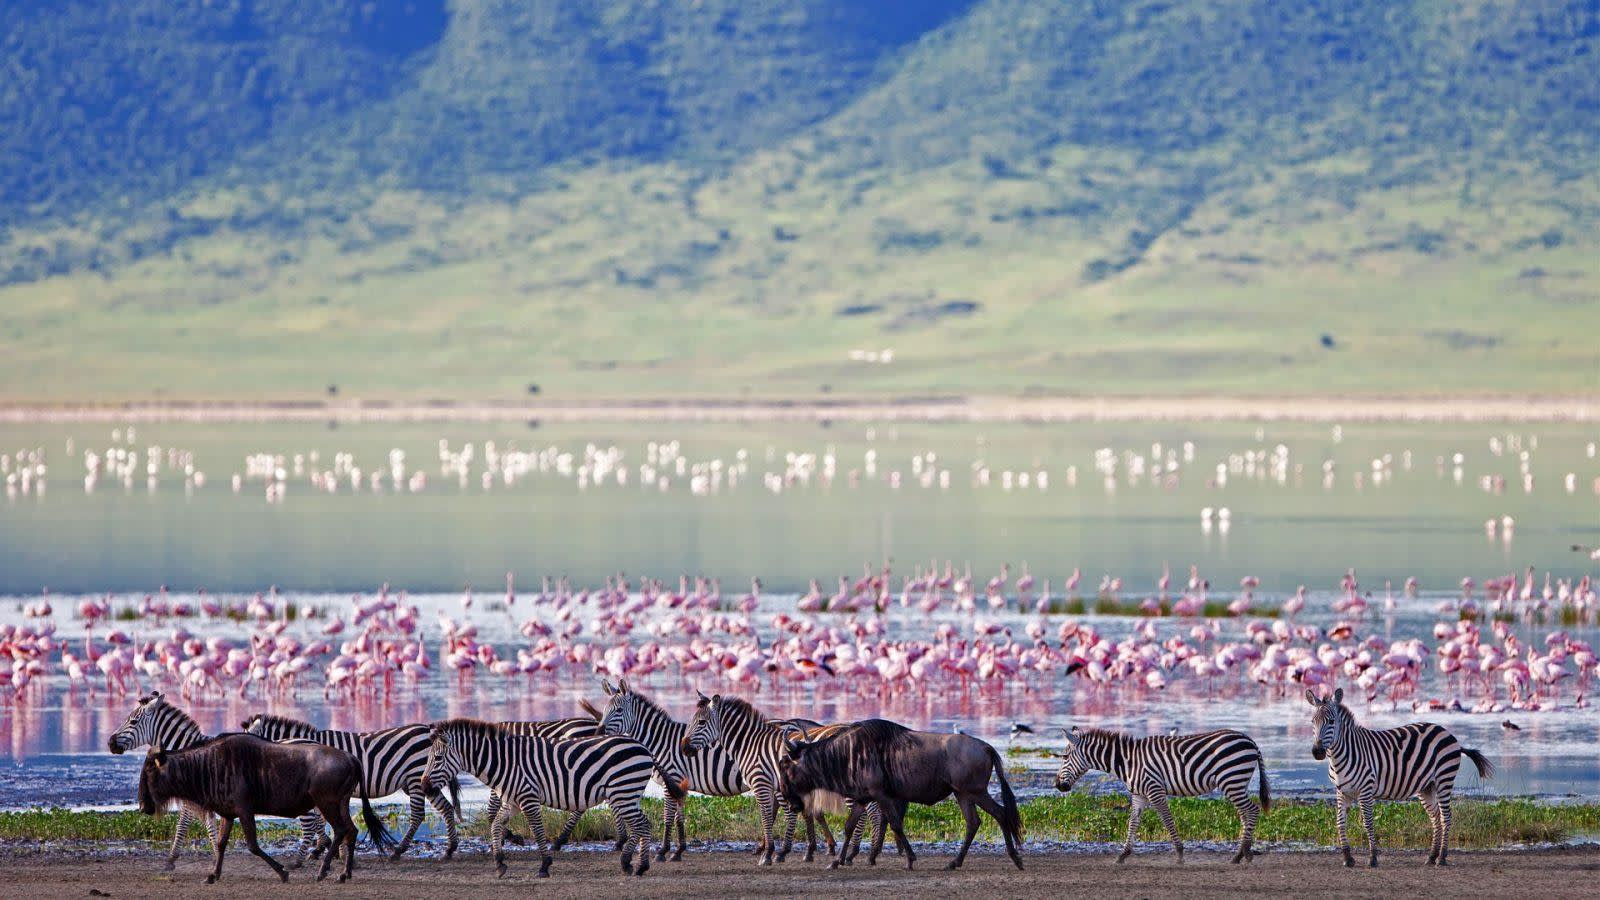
[241,776]
[876,761]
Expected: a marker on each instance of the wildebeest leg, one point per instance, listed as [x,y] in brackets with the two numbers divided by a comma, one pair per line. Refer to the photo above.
[850,824]
[225,832]
[534,811]
[417,809]
[969,811]
[248,822]
[344,838]
[450,815]
[997,812]
[894,813]
[880,829]
[827,835]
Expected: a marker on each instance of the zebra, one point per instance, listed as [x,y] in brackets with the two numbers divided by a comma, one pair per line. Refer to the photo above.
[1183,765]
[156,723]
[391,760]
[756,744]
[532,772]
[1366,765]
[553,730]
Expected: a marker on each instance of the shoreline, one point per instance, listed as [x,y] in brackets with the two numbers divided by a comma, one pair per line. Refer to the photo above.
[1530,408]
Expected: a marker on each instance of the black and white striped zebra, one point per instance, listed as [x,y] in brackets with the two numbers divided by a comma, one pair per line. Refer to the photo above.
[756,744]
[1366,765]
[531,773]
[551,730]
[392,761]
[1161,766]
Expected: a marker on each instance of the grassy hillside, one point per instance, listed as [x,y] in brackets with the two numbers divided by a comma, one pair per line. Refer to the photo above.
[726,198]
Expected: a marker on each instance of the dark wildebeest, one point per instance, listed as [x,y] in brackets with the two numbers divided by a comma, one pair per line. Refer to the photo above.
[877,761]
[241,776]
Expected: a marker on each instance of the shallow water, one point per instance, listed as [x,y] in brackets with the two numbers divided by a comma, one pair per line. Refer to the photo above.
[1303,520]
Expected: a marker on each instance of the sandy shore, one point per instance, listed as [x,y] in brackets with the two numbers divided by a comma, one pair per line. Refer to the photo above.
[1511,408]
[583,876]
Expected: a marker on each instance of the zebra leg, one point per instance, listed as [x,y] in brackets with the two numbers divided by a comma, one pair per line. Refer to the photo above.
[969,811]
[1341,822]
[1366,802]
[669,809]
[632,818]
[450,815]
[1444,826]
[683,840]
[247,821]
[880,829]
[790,817]
[768,802]
[310,839]
[568,827]
[1249,814]
[185,817]
[1134,812]
[493,809]
[497,838]
[1430,803]
[533,810]
[222,845]
[1159,801]
[417,811]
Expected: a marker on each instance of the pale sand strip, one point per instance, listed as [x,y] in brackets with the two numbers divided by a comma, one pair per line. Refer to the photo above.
[1535,408]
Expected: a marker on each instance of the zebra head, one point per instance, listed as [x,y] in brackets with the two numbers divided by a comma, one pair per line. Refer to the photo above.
[705,729]
[142,724]
[1074,762]
[444,756]
[1328,719]
[621,716]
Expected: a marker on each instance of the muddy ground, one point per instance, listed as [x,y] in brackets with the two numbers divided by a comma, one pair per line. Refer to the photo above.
[1572,871]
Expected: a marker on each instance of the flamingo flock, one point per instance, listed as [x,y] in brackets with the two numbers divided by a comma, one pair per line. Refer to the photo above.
[942,630]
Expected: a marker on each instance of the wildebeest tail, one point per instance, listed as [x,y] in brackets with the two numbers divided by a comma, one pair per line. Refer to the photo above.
[379,835]
[1265,792]
[1485,768]
[1011,815]
[826,802]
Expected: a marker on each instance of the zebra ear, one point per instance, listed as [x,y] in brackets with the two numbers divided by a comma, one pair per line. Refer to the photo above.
[1071,736]
[606,686]
[1311,697]
[1338,695]
[622,686]
[702,699]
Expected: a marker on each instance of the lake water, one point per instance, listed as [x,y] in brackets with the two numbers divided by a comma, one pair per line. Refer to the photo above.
[788,504]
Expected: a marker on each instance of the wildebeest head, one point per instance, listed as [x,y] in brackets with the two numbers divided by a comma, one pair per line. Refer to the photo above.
[152,782]
[621,715]
[1328,719]
[795,777]
[1074,762]
[705,729]
[139,729]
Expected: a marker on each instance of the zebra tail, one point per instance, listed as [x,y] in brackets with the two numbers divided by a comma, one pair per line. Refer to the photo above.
[677,789]
[590,709]
[1265,792]
[1485,768]
[379,835]
[1011,818]
[455,795]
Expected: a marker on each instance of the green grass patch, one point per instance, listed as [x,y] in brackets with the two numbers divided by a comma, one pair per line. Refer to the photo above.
[1069,817]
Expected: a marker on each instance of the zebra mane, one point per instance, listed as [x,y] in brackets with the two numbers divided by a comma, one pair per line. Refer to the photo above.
[286,722]
[161,706]
[649,704]
[1106,735]
[741,708]
[472,728]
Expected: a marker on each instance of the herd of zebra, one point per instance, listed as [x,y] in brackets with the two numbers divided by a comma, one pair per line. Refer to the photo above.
[797,767]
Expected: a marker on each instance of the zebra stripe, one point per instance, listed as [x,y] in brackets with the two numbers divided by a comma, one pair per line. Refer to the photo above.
[533,772]
[1366,765]
[552,730]
[392,761]
[1158,767]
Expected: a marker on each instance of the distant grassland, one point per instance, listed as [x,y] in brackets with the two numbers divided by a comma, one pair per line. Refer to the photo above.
[1071,817]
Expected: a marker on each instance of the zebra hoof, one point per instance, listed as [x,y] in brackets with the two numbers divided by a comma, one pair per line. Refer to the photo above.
[171,864]
[211,879]
[834,864]
[952,865]
[1443,861]
[1373,864]
[500,870]
[343,878]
